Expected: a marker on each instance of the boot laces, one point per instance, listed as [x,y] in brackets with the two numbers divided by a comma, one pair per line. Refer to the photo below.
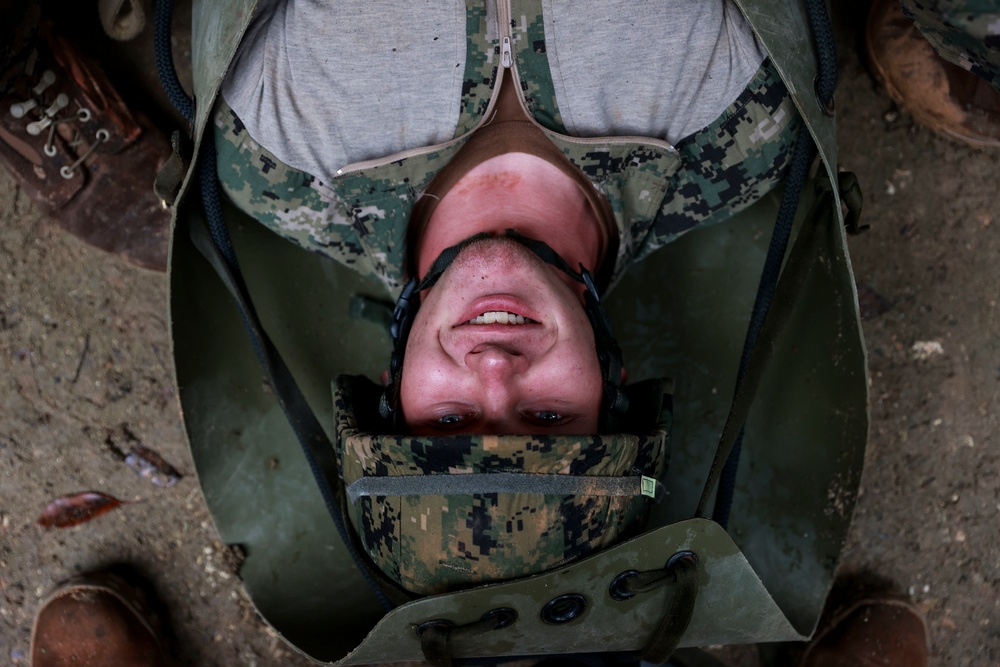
[45,110]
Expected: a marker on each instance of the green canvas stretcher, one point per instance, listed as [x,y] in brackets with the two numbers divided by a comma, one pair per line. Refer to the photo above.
[681,314]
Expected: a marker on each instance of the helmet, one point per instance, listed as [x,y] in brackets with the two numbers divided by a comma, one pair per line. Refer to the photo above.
[445,512]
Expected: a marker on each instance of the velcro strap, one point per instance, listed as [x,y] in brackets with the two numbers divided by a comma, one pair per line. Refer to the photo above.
[504,482]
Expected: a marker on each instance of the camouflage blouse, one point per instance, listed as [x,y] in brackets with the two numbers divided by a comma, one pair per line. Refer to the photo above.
[658,191]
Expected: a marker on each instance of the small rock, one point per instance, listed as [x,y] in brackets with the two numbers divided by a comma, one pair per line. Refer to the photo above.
[925,349]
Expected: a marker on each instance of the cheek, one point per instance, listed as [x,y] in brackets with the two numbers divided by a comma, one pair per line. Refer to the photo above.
[422,366]
[588,368]
[574,374]
[583,345]
[413,357]
[421,336]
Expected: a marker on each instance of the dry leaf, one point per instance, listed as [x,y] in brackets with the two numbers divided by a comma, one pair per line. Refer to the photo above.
[76,508]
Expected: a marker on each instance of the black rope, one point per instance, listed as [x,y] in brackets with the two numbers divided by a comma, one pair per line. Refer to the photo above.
[163,15]
[799,266]
[802,157]
[826,50]
[681,573]
[316,447]
[212,201]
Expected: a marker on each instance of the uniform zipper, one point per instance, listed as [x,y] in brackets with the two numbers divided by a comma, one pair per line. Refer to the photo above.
[506,35]
[506,56]
[506,62]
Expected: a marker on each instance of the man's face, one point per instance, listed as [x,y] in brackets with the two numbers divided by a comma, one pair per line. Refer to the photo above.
[541,376]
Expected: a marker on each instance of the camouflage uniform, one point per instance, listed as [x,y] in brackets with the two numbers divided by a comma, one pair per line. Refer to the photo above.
[657,191]
[965,32]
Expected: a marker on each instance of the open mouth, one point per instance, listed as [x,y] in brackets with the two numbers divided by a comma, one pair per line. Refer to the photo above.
[500,317]
[499,309]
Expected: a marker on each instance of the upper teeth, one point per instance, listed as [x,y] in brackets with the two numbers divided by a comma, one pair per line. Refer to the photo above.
[500,317]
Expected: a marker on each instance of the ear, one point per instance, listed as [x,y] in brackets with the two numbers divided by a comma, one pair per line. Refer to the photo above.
[624,376]
[385,377]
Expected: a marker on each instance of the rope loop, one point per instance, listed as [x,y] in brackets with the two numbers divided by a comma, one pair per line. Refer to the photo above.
[437,636]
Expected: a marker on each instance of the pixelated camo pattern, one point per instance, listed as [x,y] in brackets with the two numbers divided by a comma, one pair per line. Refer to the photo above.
[965,32]
[731,163]
[482,64]
[527,27]
[431,544]
[358,220]
[656,194]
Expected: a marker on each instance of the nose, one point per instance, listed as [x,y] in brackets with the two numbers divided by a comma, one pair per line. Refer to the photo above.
[496,364]
[496,369]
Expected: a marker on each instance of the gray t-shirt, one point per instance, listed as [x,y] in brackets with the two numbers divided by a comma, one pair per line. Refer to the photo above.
[323,83]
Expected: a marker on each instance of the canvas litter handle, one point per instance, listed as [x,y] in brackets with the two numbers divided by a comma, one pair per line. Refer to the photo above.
[668,550]
[439,637]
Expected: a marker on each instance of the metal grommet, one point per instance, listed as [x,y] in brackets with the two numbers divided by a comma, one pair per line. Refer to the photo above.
[504,616]
[103,135]
[618,590]
[827,108]
[564,608]
[442,623]
[66,172]
[682,556]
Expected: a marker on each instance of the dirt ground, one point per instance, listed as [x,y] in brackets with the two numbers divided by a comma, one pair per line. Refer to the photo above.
[85,368]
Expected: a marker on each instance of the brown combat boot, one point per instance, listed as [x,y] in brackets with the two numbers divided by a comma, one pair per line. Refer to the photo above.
[83,156]
[940,95]
[96,621]
[879,629]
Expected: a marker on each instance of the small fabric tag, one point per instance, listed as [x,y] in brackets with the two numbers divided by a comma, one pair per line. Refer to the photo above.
[648,487]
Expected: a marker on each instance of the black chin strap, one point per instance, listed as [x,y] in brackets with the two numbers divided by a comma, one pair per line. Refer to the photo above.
[614,403]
